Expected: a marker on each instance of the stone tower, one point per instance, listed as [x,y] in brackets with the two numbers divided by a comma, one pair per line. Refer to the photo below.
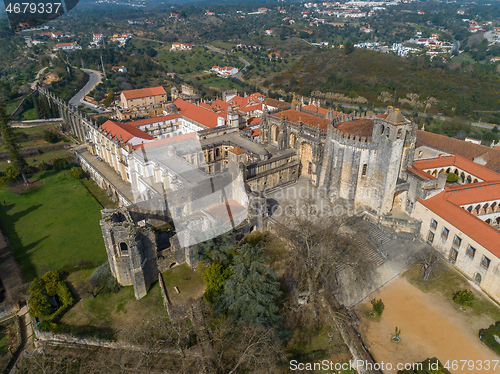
[131,250]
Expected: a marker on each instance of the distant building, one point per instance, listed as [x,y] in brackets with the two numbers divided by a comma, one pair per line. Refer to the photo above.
[66,46]
[120,69]
[472,140]
[142,97]
[224,71]
[181,47]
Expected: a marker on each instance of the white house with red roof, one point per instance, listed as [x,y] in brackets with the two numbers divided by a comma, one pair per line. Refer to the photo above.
[66,46]
[224,71]
[181,47]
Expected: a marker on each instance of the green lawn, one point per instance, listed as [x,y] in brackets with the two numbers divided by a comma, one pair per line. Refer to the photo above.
[53,227]
[47,156]
[189,282]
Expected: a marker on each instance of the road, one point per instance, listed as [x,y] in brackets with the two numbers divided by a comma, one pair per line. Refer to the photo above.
[94,80]
[239,73]
[33,85]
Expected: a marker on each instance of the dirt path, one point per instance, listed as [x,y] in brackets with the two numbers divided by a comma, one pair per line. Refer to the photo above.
[430,327]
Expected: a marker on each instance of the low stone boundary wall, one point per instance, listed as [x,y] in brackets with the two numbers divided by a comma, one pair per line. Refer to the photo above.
[36,151]
[37,122]
[410,229]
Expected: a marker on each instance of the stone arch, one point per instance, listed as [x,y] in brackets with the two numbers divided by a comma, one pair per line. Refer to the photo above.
[488,221]
[306,158]
[274,133]
[497,220]
[397,202]
[217,152]
[123,247]
[292,140]
[434,173]
[448,170]
[462,177]
[475,180]
[456,171]
[382,129]
[469,179]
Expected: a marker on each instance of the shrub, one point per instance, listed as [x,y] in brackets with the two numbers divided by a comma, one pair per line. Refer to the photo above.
[43,166]
[39,304]
[61,163]
[51,282]
[452,177]
[50,137]
[464,297]
[378,306]
[77,173]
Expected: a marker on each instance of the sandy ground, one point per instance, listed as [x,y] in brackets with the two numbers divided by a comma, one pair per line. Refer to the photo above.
[430,328]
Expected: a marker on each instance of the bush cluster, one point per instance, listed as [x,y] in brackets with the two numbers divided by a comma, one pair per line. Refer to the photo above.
[464,298]
[60,163]
[77,172]
[39,292]
[378,306]
[51,137]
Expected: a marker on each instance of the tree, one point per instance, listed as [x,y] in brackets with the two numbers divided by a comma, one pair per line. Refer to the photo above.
[463,106]
[60,163]
[50,280]
[218,249]
[427,263]
[215,276]
[252,292]
[10,141]
[320,244]
[98,276]
[77,172]
[349,47]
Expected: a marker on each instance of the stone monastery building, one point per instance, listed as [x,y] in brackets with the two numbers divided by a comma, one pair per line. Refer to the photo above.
[202,167]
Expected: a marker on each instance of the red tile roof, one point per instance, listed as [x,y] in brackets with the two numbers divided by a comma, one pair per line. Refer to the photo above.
[226,211]
[251,108]
[65,44]
[144,92]
[473,193]
[255,133]
[471,167]
[472,226]
[360,126]
[147,121]
[277,104]
[314,108]
[172,139]
[198,114]
[254,120]
[459,147]
[293,115]
[237,151]
[124,131]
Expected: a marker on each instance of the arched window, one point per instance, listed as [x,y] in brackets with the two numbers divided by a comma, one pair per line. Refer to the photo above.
[123,247]
[292,140]
[488,221]
[388,131]
[363,171]
[274,133]
[475,180]
[469,179]
[448,171]
[382,128]
[399,133]
[217,152]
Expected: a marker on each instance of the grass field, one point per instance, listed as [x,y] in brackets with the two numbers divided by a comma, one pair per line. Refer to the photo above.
[53,227]
[8,338]
[189,282]
[47,156]
[33,137]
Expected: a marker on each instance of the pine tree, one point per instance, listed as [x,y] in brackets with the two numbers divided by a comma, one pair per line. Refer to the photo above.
[10,141]
[218,249]
[252,292]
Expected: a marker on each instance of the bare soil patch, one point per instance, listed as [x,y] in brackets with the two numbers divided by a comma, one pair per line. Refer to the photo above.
[20,187]
[430,325]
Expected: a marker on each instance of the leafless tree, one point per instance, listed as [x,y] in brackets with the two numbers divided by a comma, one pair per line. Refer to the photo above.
[427,263]
[321,246]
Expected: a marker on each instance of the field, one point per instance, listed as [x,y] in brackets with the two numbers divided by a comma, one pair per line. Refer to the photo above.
[31,137]
[53,227]
[113,311]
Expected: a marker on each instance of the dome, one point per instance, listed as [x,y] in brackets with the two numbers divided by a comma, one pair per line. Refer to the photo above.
[264,154]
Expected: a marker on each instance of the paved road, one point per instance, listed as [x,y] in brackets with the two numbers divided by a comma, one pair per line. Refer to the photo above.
[94,80]
[33,85]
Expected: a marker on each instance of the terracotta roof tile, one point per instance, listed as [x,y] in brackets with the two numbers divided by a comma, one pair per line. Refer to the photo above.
[293,115]
[124,131]
[144,92]
[199,114]
[459,147]
[172,139]
[361,127]
[471,167]
[278,104]
[237,151]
